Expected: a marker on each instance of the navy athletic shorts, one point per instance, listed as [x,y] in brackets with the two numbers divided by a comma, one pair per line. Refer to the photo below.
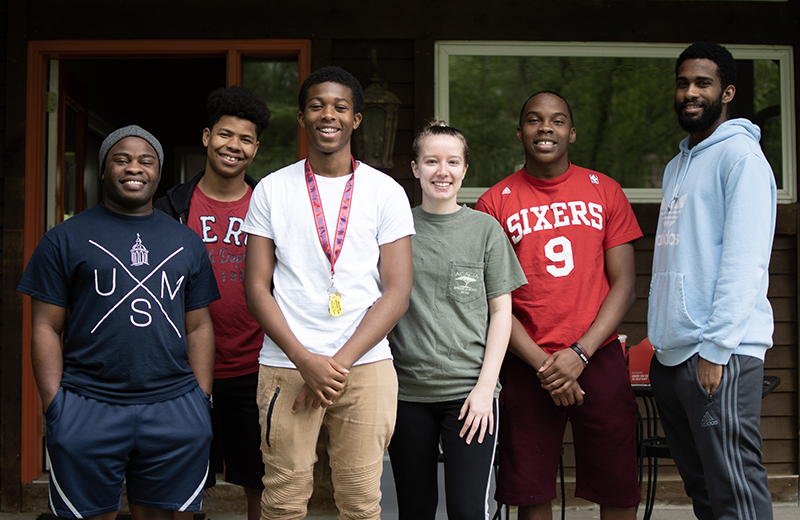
[159,449]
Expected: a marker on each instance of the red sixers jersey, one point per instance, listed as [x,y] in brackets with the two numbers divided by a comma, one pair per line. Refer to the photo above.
[238,337]
[560,229]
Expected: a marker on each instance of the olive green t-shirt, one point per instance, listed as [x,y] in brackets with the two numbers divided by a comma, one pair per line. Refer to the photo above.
[460,261]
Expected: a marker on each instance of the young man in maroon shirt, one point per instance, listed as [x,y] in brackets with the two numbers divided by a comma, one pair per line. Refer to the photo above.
[214,204]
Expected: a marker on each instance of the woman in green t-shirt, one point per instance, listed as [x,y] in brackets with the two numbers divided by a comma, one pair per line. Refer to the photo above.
[449,346]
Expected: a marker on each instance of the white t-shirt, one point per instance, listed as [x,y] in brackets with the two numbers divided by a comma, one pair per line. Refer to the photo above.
[280,209]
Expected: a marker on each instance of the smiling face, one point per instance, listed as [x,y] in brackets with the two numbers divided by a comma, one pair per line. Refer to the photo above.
[546,132]
[230,145]
[329,118]
[700,100]
[440,168]
[130,177]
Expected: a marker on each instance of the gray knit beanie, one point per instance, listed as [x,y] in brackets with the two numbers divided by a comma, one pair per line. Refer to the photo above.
[130,131]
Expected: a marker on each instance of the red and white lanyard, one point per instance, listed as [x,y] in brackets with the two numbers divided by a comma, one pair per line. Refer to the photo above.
[334,303]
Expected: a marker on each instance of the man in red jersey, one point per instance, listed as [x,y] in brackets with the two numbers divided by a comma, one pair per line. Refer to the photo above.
[572,230]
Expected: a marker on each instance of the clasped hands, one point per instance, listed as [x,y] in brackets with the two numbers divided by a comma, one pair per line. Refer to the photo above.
[324,378]
[559,376]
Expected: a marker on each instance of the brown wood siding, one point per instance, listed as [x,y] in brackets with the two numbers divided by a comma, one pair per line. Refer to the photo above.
[12,152]
[4,419]
[395,67]
[3,53]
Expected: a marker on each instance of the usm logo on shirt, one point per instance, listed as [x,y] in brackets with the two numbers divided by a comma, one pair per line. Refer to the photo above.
[139,301]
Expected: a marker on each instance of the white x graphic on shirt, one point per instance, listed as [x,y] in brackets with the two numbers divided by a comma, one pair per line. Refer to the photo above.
[138,284]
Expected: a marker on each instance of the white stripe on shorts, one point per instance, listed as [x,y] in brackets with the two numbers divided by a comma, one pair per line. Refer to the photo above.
[196,491]
[61,494]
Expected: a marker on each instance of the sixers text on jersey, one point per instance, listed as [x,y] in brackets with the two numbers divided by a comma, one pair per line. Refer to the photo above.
[555,215]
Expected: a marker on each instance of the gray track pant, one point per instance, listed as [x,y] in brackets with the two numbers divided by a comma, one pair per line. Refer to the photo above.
[715,439]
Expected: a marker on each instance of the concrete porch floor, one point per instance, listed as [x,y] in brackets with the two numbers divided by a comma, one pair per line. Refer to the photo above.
[226,502]
[781,512]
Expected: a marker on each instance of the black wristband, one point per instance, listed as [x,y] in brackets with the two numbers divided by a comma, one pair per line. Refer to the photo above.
[581,353]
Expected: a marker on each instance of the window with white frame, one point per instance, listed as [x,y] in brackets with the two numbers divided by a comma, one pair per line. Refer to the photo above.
[622,96]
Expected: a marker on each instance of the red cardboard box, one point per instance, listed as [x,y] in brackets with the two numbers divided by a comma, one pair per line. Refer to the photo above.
[639,362]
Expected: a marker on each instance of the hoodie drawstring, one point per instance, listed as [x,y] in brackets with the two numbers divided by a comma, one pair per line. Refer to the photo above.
[683,172]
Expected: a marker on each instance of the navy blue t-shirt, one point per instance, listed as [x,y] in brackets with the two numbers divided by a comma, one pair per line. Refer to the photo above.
[126,283]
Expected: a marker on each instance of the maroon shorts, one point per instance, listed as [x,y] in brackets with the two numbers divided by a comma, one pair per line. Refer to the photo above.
[603,428]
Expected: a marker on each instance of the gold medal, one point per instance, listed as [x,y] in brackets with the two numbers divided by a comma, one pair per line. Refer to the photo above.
[334,302]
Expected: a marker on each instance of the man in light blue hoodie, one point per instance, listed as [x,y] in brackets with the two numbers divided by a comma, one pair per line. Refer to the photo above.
[709,318]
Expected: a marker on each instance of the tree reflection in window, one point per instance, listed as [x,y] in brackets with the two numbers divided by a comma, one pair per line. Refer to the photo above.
[623,106]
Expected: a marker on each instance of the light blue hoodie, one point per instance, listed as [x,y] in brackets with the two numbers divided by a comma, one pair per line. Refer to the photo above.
[710,265]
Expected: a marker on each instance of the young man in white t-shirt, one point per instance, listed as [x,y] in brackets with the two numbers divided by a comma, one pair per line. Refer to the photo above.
[332,237]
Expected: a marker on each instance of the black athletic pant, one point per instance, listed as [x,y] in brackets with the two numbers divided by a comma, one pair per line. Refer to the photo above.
[715,439]
[414,452]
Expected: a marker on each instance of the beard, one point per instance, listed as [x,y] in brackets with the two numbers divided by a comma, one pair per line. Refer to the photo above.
[710,114]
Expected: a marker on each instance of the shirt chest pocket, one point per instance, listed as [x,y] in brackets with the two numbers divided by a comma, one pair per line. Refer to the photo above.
[465,283]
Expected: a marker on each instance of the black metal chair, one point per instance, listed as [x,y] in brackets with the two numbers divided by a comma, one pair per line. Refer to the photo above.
[650,447]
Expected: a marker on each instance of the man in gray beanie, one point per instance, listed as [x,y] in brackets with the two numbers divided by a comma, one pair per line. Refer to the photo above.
[127,392]
[130,131]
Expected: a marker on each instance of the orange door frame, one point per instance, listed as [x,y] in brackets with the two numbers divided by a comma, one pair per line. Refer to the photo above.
[39,52]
